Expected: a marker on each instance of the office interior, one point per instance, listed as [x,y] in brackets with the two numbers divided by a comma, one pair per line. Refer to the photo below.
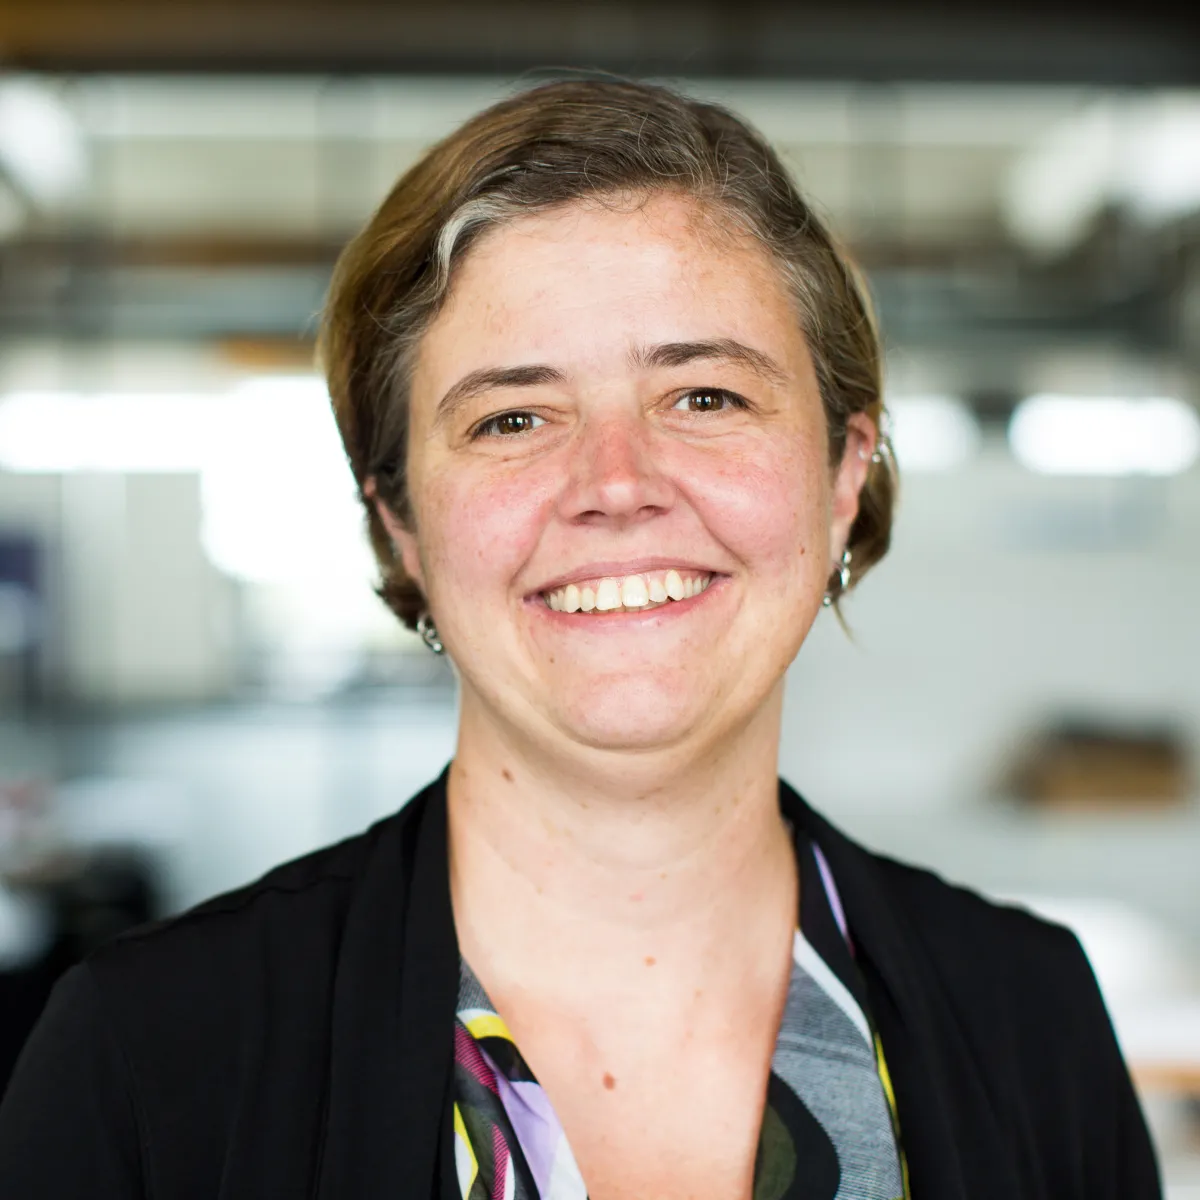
[197,680]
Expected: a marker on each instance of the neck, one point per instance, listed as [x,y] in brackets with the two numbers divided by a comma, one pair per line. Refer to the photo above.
[615,855]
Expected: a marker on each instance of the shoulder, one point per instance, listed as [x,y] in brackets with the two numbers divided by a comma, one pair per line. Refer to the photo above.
[1018,995]
[1000,1009]
[174,1025]
[996,958]
[1018,988]
[954,933]
[291,918]
[980,933]
[237,968]
[1004,975]
[309,893]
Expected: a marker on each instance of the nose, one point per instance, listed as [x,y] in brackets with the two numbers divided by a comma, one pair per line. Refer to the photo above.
[615,473]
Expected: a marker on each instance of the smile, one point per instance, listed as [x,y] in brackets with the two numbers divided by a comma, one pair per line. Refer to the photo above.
[631,593]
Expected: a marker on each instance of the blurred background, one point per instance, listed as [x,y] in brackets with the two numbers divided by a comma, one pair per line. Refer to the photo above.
[196,680]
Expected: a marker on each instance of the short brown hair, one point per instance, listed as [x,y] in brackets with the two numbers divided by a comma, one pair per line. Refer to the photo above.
[552,145]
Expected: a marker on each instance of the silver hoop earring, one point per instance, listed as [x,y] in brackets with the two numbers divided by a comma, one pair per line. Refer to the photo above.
[842,571]
[429,634]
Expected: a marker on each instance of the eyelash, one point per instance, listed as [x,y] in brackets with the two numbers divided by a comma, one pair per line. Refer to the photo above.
[481,430]
[731,398]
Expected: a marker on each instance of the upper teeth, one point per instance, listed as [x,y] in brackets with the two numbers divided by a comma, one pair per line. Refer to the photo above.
[631,592]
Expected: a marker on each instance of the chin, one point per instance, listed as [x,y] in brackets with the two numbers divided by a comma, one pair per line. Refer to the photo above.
[627,735]
[624,718]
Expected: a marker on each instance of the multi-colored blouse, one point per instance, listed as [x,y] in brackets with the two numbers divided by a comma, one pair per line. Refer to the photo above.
[829,1129]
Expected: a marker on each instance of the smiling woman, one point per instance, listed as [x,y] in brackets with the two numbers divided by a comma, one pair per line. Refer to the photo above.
[608,148]
[611,396]
[670,426]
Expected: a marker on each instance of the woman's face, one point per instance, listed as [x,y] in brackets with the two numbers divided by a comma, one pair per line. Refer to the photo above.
[611,405]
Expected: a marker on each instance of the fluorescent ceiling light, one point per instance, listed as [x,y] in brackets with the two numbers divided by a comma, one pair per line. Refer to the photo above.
[278,499]
[274,417]
[41,144]
[280,503]
[134,432]
[932,433]
[1105,435]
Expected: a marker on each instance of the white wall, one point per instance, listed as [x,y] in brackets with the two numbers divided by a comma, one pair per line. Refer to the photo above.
[1007,598]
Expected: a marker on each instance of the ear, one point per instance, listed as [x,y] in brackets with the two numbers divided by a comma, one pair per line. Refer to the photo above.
[849,478]
[403,538]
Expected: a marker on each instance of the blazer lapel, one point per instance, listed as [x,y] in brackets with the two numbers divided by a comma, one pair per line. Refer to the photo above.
[951,1136]
[392,1037]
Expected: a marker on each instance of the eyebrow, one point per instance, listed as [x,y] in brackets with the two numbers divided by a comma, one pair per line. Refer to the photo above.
[487,378]
[679,354]
[665,354]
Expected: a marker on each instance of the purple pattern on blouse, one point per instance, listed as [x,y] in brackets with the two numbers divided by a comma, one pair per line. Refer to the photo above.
[835,901]
[535,1124]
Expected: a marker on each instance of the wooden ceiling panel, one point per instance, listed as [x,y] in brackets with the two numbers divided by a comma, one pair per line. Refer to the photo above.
[1107,42]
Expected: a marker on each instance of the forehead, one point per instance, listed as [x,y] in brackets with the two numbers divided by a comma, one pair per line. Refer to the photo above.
[590,279]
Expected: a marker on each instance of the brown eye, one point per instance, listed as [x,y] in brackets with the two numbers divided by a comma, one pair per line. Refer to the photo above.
[507,424]
[515,422]
[703,400]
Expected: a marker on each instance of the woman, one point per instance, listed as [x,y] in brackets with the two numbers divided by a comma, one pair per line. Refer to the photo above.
[612,399]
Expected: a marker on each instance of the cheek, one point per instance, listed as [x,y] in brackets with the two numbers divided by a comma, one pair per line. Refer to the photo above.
[768,504]
[480,527]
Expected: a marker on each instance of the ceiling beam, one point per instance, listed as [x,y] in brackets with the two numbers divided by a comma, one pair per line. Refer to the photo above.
[1149,43]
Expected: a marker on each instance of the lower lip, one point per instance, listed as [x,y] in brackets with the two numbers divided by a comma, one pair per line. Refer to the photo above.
[628,618]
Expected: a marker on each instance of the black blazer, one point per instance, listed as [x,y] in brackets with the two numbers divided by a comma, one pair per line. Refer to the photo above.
[294,1040]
